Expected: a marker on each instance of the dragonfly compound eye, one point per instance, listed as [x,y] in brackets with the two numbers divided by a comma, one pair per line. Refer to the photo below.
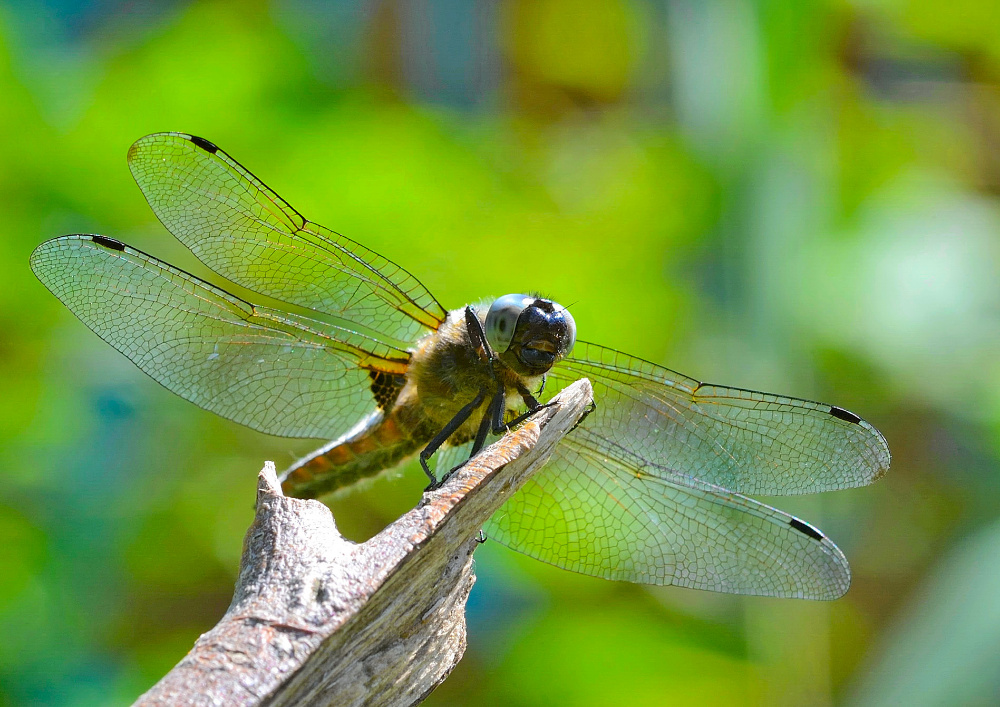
[501,320]
[543,335]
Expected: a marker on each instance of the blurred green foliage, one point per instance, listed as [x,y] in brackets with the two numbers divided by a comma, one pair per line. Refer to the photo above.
[791,196]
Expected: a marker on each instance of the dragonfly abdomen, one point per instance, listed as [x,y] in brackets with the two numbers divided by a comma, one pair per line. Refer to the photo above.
[375,444]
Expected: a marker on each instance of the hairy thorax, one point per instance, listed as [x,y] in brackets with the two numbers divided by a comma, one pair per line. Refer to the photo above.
[446,373]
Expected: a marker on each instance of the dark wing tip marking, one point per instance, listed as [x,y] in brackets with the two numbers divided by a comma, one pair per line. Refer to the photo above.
[204,144]
[806,529]
[109,243]
[846,415]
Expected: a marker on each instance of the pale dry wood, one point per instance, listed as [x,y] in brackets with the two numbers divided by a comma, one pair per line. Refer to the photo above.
[319,620]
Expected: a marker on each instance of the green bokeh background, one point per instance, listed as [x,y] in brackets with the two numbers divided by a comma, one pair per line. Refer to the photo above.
[788,195]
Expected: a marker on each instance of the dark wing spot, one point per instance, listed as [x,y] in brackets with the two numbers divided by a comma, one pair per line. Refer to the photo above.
[109,243]
[845,415]
[385,387]
[204,144]
[805,529]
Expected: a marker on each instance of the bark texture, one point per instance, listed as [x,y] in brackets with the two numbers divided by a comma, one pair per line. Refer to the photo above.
[319,620]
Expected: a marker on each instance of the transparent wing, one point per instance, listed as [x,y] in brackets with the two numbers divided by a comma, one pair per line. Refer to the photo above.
[649,488]
[248,234]
[273,372]
[741,440]
[606,518]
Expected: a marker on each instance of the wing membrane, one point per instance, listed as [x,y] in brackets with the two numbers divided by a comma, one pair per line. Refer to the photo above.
[248,234]
[740,440]
[271,371]
[600,516]
[650,487]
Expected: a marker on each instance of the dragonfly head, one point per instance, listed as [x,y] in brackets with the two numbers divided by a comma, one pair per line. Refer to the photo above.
[531,334]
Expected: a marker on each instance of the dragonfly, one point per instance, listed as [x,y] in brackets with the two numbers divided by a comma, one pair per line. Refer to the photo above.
[653,487]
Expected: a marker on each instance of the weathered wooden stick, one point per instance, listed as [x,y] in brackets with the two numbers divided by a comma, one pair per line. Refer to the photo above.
[319,620]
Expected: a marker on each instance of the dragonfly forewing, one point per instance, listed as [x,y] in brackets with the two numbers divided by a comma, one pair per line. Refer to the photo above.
[741,440]
[268,370]
[245,232]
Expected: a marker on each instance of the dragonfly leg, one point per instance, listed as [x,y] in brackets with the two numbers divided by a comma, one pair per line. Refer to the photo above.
[533,407]
[494,411]
[477,334]
[444,434]
[590,409]
[481,537]
[491,420]
[521,418]
[529,400]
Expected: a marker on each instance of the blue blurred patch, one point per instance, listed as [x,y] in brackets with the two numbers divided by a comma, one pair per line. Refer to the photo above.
[502,605]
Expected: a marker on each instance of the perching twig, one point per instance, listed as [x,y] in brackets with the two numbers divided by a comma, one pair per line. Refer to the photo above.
[319,620]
